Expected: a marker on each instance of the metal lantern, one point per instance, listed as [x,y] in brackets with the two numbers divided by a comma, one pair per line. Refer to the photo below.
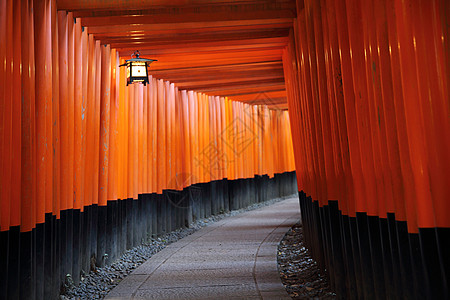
[137,68]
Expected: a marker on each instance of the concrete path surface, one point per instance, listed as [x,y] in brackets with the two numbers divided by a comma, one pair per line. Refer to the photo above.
[234,258]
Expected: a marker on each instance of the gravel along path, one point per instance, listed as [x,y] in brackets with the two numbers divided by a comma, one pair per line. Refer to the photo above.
[299,273]
[98,283]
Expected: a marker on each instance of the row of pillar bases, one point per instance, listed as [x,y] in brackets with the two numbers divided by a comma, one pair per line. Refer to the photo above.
[37,262]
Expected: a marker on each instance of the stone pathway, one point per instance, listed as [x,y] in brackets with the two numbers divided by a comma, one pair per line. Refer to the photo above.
[234,258]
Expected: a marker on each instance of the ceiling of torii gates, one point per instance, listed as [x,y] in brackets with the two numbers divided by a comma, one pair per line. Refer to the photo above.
[220,47]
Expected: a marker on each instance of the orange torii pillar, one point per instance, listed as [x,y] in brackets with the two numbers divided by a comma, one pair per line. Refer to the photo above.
[368,97]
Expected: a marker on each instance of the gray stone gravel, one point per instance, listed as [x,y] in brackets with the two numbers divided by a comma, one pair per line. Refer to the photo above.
[300,273]
[98,283]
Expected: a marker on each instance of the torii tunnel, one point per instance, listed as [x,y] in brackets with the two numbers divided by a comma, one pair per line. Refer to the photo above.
[345,101]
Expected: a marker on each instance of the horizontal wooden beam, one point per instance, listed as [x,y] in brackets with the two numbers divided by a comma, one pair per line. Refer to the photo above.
[226,71]
[207,16]
[192,49]
[105,34]
[264,64]
[281,106]
[271,102]
[113,5]
[202,76]
[250,89]
[228,81]
[179,38]
[182,26]
[220,46]
[181,11]
[235,88]
[188,61]
[211,88]
[271,96]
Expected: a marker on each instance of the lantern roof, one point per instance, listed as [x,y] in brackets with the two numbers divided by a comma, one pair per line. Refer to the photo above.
[141,59]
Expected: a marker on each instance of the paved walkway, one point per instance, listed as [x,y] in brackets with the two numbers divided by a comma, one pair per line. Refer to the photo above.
[234,258]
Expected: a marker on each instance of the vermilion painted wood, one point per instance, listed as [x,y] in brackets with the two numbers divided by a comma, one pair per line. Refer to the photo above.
[145,134]
[64,108]
[307,163]
[249,158]
[113,129]
[329,163]
[48,110]
[440,78]
[413,117]
[389,110]
[151,134]
[408,180]
[178,131]
[71,107]
[194,31]
[201,160]
[190,133]
[185,26]
[16,118]
[56,124]
[204,160]
[78,127]
[84,116]
[140,135]
[135,147]
[28,189]
[154,110]
[225,157]
[105,98]
[213,14]
[336,153]
[377,119]
[170,135]
[121,135]
[290,67]
[432,105]
[160,135]
[185,142]
[32,79]
[131,103]
[125,131]
[256,144]
[180,11]
[89,180]
[97,113]
[340,108]
[41,137]
[310,154]
[121,4]
[193,47]
[313,129]
[214,141]
[357,184]
[356,44]
[4,202]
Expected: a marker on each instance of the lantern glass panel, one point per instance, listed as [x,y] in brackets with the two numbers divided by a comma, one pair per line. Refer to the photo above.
[138,69]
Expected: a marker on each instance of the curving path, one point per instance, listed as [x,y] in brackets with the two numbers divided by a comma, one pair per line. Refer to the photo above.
[234,258]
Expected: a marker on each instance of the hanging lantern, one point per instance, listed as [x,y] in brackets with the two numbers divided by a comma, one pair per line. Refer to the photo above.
[137,68]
